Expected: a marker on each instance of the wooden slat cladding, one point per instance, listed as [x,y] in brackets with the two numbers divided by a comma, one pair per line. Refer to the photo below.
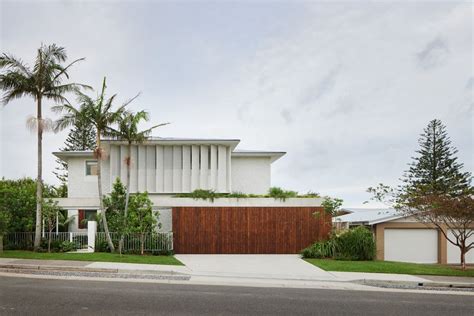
[247,230]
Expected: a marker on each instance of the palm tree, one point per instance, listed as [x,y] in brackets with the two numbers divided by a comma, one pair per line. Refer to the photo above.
[100,114]
[128,131]
[42,81]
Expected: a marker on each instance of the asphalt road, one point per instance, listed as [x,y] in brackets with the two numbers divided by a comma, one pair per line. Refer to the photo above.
[60,297]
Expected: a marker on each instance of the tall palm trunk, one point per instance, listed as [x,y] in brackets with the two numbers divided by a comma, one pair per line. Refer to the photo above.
[127,196]
[128,162]
[39,179]
[99,181]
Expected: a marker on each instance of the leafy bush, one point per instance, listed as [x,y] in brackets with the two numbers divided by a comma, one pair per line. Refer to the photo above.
[162,252]
[280,194]
[67,246]
[320,250]
[274,192]
[55,245]
[354,244]
[101,246]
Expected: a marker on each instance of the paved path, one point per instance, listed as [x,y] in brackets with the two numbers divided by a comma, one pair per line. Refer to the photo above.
[24,296]
[254,266]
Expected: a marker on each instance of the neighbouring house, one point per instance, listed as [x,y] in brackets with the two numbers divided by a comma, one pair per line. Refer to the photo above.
[400,238]
[165,167]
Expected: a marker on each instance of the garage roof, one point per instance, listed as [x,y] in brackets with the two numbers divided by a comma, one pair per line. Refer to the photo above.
[368,216]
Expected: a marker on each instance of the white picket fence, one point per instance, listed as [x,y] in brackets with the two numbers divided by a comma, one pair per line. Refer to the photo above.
[25,240]
[153,242]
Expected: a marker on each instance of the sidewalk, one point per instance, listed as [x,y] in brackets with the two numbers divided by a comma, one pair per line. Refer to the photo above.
[184,274]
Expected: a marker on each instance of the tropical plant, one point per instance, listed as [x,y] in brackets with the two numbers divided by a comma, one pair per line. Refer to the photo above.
[332,205]
[52,216]
[320,250]
[354,244]
[142,218]
[45,80]
[127,131]
[98,112]
[114,203]
[280,194]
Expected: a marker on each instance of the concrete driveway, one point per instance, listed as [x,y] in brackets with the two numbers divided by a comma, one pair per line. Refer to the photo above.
[254,266]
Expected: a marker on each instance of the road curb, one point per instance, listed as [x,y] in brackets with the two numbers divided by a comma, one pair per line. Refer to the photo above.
[420,285]
[56,268]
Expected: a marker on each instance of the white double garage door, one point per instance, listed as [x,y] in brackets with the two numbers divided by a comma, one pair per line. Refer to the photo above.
[419,246]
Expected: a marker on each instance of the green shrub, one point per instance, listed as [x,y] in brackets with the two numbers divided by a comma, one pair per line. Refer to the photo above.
[101,246]
[67,246]
[55,245]
[162,252]
[355,244]
[280,194]
[319,250]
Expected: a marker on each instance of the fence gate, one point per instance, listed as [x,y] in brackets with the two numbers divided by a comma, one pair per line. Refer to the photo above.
[247,230]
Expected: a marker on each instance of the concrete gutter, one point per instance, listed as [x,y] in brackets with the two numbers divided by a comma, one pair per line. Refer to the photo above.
[55,268]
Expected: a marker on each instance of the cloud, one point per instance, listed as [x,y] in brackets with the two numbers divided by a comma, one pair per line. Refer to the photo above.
[470,84]
[286,115]
[342,88]
[434,54]
[324,86]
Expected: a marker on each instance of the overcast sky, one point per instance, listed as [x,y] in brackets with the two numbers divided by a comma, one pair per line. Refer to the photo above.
[344,88]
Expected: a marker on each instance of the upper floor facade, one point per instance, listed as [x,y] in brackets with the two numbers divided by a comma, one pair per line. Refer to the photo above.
[170,166]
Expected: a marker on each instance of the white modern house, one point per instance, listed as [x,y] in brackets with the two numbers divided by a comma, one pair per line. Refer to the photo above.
[164,167]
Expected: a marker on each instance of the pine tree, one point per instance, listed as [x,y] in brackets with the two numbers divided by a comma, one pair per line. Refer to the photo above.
[436,169]
[81,137]
[435,191]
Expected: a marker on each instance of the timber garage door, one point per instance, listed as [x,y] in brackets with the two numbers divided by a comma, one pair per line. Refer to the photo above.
[411,245]
[247,230]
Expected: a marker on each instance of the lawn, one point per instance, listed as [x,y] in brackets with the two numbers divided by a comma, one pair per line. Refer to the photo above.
[96,256]
[390,267]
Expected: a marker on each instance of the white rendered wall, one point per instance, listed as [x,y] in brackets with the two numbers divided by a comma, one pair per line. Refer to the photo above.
[186,179]
[115,163]
[150,169]
[221,169]
[169,169]
[177,169]
[80,185]
[123,166]
[213,168]
[250,175]
[166,220]
[133,170]
[141,165]
[195,174]
[204,171]
[160,171]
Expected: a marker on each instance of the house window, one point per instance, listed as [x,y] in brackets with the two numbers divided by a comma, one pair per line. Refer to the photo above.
[91,168]
[85,216]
